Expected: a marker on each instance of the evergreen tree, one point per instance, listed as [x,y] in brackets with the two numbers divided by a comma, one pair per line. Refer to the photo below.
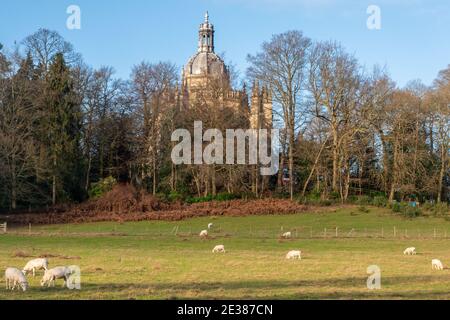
[62,125]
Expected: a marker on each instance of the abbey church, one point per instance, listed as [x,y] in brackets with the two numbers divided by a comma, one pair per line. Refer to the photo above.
[206,69]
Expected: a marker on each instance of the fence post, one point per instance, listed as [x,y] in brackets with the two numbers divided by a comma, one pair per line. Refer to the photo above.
[29,228]
[337,232]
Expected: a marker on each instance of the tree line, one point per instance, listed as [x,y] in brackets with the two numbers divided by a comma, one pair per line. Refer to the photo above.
[345,130]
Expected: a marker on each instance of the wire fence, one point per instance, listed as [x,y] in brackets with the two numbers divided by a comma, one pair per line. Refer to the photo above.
[322,233]
[270,232]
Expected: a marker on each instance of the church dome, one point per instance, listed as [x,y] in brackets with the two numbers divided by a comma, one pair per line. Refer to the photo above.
[206,63]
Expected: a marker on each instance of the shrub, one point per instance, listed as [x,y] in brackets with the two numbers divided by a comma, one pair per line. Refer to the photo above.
[396,207]
[380,201]
[219,197]
[335,195]
[364,200]
[102,187]
[411,212]
[175,196]
[325,203]
[363,209]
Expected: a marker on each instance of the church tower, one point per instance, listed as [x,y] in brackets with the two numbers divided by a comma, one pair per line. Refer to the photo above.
[206,36]
[206,69]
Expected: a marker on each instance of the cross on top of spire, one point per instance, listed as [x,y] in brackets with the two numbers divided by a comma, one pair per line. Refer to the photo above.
[206,17]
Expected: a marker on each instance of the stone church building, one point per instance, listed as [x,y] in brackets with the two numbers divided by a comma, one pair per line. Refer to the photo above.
[206,69]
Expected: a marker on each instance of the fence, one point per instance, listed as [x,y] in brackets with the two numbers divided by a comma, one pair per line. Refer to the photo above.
[306,232]
[4,227]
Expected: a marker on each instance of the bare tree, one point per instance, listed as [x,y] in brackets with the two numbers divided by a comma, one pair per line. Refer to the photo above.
[281,65]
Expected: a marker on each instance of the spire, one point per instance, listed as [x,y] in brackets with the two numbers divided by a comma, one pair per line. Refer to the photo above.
[206,36]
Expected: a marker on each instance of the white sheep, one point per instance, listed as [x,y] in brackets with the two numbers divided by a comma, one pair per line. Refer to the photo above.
[204,234]
[287,235]
[36,264]
[410,251]
[294,254]
[219,249]
[210,226]
[436,264]
[15,278]
[51,275]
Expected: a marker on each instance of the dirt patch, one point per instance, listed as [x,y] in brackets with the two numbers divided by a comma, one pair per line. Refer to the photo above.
[124,203]
[22,254]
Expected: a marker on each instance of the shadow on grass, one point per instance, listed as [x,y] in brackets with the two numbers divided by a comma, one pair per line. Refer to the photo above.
[336,288]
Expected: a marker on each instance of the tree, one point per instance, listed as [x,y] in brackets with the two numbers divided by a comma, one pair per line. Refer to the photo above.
[45,44]
[60,131]
[281,65]
[154,89]
[334,83]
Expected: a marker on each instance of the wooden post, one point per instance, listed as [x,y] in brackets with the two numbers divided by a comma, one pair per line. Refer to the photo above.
[337,233]
[29,228]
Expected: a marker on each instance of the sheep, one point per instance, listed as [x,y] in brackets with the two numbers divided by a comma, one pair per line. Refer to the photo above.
[204,234]
[410,251]
[219,249]
[294,254]
[15,278]
[287,235]
[210,226]
[436,264]
[51,275]
[36,264]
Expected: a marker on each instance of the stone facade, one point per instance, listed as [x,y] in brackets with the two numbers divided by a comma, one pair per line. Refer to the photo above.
[206,74]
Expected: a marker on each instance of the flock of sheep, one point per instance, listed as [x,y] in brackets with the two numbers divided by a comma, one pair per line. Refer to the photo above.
[16,279]
[291,255]
[436,264]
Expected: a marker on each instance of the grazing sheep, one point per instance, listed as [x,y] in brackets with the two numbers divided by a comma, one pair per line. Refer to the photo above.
[204,234]
[294,254]
[219,249]
[410,251]
[287,235]
[36,264]
[15,278]
[436,264]
[51,275]
[210,225]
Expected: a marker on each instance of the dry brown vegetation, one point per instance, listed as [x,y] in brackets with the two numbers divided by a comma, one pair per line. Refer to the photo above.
[125,203]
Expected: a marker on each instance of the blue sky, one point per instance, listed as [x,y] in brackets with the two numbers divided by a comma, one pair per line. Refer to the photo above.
[413,42]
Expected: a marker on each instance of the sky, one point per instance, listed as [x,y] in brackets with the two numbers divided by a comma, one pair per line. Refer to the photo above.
[413,42]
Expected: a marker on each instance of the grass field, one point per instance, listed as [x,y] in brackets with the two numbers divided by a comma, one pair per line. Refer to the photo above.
[167,260]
